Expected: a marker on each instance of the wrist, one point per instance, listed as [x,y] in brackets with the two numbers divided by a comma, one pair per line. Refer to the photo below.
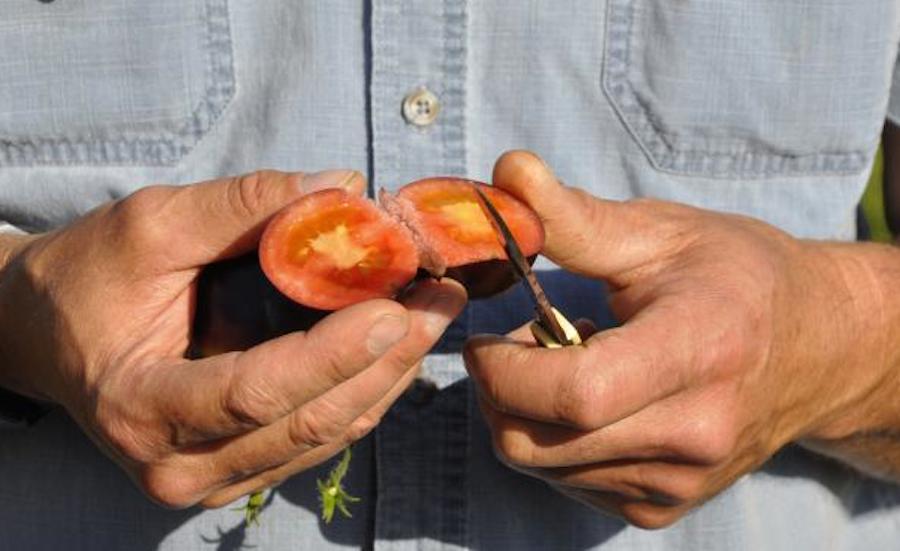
[867,328]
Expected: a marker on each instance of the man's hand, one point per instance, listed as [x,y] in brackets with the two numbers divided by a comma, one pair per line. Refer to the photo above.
[96,317]
[736,339]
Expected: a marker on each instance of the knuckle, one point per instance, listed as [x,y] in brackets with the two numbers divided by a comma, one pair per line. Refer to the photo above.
[125,443]
[513,450]
[708,439]
[717,448]
[131,442]
[671,225]
[172,489]
[247,194]
[335,365]
[494,384]
[573,236]
[360,428]
[485,378]
[648,516]
[671,487]
[492,391]
[145,201]
[37,263]
[310,429]
[577,400]
[686,489]
[136,218]
[727,351]
[252,405]
[471,354]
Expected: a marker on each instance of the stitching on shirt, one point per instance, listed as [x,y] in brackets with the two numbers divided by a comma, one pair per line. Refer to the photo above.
[648,132]
[453,127]
[385,158]
[165,148]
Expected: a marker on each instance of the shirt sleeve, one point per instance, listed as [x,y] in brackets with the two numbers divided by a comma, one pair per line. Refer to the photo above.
[6,227]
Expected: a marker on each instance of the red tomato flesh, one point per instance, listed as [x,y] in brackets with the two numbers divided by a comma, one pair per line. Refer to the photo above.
[331,249]
[451,220]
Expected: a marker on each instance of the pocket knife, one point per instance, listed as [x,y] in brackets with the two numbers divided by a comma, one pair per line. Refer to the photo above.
[551,329]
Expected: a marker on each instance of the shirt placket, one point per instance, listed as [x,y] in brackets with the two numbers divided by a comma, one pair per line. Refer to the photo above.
[417,100]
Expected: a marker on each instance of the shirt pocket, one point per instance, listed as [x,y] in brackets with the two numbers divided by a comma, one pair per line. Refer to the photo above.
[736,89]
[111,82]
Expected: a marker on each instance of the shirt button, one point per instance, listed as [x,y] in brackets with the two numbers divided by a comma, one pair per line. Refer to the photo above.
[421,107]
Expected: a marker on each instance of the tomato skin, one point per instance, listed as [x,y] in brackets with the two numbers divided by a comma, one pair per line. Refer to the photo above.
[236,308]
[331,249]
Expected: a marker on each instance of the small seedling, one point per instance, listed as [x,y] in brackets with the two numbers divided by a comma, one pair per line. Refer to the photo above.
[332,495]
[253,507]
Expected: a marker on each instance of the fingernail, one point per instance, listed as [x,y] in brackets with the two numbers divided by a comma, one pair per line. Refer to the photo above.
[547,167]
[328,179]
[385,333]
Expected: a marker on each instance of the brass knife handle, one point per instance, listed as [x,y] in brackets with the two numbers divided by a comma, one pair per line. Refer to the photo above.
[546,339]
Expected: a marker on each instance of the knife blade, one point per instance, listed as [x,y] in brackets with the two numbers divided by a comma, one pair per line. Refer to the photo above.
[551,328]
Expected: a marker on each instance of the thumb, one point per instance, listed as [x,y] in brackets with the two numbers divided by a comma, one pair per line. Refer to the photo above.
[584,234]
[224,218]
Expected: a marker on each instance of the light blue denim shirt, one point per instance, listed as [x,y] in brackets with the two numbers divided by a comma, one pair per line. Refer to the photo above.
[770,108]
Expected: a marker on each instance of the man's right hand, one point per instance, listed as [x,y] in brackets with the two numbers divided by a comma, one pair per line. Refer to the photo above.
[97,317]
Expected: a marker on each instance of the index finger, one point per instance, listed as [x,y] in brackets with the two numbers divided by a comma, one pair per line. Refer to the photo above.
[615,373]
[232,393]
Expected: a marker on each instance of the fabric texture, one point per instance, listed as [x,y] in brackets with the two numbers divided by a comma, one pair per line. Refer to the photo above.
[9,228]
[771,109]
[894,106]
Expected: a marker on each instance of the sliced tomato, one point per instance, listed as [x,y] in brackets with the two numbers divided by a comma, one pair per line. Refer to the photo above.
[449,218]
[331,249]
